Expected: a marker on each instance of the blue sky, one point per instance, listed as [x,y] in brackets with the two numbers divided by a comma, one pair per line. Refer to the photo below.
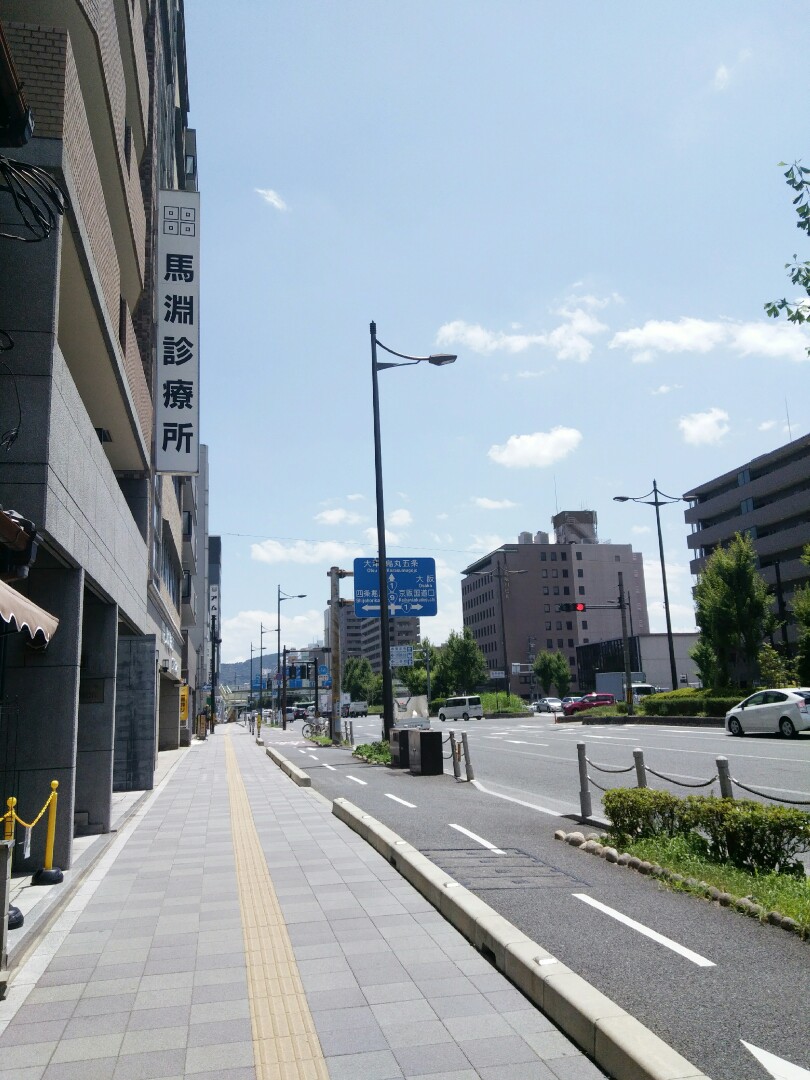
[581,200]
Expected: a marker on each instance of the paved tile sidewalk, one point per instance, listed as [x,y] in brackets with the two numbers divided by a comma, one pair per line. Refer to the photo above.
[146,977]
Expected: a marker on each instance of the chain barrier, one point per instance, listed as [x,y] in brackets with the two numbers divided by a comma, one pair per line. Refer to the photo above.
[49,874]
[607,768]
[592,781]
[682,783]
[753,791]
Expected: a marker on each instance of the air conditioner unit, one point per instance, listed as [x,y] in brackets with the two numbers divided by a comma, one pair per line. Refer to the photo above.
[164,665]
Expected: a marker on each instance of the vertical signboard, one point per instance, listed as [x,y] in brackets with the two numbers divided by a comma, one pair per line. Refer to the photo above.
[177,400]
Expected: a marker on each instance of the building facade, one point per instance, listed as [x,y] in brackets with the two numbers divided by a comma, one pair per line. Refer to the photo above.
[106,84]
[769,499]
[511,598]
[649,656]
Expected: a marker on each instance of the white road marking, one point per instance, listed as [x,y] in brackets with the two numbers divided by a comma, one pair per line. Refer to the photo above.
[478,839]
[519,742]
[313,757]
[696,958]
[776,1066]
[396,798]
[300,751]
[331,768]
[520,802]
[363,782]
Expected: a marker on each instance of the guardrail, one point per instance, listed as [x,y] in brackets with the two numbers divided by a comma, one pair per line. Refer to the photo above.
[722,777]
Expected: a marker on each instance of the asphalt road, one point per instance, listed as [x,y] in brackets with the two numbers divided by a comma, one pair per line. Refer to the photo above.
[722,978]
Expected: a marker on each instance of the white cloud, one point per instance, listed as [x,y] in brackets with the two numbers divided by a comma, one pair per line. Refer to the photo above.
[571,340]
[724,73]
[338,516]
[442,517]
[272,198]
[639,529]
[308,552]
[493,504]
[776,340]
[721,77]
[400,518]
[664,389]
[535,374]
[355,497]
[703,428]
[485,543]
[390,538]
[766,425]
[299,628]
[537,450]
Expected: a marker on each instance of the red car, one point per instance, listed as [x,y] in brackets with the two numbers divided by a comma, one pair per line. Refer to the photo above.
[589,701]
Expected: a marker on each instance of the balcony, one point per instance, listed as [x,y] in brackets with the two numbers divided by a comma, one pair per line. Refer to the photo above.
[188,609]
[189,555]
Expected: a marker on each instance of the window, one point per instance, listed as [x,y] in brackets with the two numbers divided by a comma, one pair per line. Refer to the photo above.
[545,590]
[555,590]
[572,660]
[549,643]
[566,591]
[565,573]
[563,556]
[546,608]
[585,640]
[581,590]
[580,573]
[584,624]
[554,556]
[570,643]
[548,625]
[544,573]
[559,642]
[559,625]
[554,573]
[569,626]
[579,556]
[542,556]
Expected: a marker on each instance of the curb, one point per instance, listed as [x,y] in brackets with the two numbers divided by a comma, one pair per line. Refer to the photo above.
[298,776]
[616,1041]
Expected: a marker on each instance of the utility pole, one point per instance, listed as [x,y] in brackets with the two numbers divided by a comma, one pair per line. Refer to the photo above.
[334,574]
[780,606]
[628,674]
[284,691]
[215,642]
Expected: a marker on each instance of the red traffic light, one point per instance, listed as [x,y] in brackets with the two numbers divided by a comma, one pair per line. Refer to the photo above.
[580,607]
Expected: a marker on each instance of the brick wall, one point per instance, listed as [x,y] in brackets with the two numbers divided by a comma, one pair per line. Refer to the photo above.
[39,55]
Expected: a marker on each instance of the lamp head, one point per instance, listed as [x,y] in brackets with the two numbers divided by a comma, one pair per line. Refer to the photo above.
[440,359]
[621,498]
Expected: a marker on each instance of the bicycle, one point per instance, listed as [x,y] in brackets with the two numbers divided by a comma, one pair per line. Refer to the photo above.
[314,727]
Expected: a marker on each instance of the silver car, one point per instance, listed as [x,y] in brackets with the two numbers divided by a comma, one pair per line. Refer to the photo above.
[548,704]
[786,710]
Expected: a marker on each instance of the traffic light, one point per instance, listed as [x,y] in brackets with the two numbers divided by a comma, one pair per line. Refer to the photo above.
[572,607]
[579,607]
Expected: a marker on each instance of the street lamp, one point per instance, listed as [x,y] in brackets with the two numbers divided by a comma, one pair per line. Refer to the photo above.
[262,631]
[282,596]
[438,360]
[657,503]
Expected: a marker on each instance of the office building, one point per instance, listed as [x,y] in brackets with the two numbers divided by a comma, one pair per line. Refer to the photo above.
[649,657]
[768,498]
[106,85]
[511,598]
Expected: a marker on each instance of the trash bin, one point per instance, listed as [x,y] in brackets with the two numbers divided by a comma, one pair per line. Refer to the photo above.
[425,752]
[400,757]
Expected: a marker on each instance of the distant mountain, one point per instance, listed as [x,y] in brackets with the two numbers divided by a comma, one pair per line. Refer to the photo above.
[238,675]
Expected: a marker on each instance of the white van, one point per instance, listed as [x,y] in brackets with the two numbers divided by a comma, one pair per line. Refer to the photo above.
[461,708]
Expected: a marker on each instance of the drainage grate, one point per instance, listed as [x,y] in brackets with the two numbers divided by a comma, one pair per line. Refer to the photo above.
[515,869]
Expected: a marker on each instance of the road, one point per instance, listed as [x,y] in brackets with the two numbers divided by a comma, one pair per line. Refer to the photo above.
[720,979]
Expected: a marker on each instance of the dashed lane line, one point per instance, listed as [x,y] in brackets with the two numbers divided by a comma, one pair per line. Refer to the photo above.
[696,958]
[479,839]
[350,777]
[396,798]
[331,768]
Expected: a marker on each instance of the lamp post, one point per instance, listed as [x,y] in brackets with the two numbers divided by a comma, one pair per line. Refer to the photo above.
[262,631]
[250,695]
[282,596]
[439,360]
[657,502]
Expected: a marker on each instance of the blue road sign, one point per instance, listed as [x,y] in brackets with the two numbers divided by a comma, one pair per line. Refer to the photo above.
[411,587]
[323,669]
[257,682]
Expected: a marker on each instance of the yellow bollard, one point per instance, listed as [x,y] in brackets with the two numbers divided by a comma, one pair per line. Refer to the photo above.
[11,802]
[50,875]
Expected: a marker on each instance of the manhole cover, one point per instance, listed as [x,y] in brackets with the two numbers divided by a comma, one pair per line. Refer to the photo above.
[515,869]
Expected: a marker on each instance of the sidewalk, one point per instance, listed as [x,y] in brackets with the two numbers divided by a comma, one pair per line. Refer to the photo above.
[236,930]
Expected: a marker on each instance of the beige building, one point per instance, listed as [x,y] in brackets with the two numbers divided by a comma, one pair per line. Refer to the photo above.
[511,598]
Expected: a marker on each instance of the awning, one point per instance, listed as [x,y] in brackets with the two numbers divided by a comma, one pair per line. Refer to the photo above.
[25,615]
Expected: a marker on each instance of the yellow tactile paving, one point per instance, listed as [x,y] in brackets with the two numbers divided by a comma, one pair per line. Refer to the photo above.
[285,1046]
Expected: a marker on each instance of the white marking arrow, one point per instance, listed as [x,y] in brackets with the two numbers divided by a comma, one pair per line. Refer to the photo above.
[777,1067]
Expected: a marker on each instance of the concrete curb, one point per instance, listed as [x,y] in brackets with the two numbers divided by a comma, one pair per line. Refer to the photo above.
[298,776]
[616,1041]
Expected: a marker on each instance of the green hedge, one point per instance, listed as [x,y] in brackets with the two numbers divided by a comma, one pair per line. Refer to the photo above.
[687,704]
[750,835]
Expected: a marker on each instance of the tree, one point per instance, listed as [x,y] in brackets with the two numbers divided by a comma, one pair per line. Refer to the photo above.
[461,665]
[552,669]
[415,678]
[733,610]
[801,611]
[357,678]
[705,661]
[774,668]
[798,178]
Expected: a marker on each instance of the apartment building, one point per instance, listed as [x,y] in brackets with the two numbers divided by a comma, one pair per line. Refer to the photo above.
[402,631]
[106,86]
[768,498]
[511,598]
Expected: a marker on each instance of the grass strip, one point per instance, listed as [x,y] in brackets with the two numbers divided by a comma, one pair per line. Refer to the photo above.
[378,753]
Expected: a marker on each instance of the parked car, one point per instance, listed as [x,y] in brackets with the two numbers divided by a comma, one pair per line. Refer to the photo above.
[548,704]
[571,697]
[588,701]
[299,712]
[786,710]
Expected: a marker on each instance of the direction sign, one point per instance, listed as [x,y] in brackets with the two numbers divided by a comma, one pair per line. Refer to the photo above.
[497,674]
[402,656]
[411,588]
[323,669]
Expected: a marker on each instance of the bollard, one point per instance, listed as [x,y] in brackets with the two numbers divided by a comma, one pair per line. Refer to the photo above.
[8,833]
[724,777]
[50,874]
[467,762]
[584,791]
[350,724]
[454,750]
[641,772]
